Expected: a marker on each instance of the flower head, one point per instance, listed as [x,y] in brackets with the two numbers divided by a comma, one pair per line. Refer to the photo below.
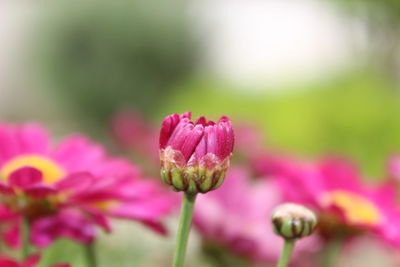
[292,221]
[345,205]
[41,182]
[236,217]
[195,155]
[31,261]
[135,133]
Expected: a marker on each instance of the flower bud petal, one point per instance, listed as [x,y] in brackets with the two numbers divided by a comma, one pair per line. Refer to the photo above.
[195,156]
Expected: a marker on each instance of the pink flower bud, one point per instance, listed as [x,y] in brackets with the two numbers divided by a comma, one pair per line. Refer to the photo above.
[195,156]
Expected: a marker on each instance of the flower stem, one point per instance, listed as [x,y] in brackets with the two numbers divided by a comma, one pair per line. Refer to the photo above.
[25,225]
[90,254]
[332,250]
[184,228]
[286,253]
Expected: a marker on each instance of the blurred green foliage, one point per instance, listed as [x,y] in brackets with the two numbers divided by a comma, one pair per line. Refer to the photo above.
[381,22]
[383,10]
[99,56]
[355,115]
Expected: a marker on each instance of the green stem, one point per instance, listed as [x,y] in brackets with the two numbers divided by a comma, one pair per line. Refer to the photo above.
[90,254]
[286,253]
[332,250]
[184,228]
[25,227]
[219,256]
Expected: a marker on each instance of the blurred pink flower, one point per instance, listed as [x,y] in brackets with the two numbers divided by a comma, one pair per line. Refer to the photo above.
[334,188]
[268,164]
[237,216]
[40,182]
[393,167]
[31,261]
[248,141]
[134,133]
[9,227]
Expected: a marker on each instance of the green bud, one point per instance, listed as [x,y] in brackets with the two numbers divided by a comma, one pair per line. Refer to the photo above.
[193,179]
[292,221]
[202,177]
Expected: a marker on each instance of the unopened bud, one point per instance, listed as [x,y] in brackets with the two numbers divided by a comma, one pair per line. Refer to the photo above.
[292,221]
[195,155]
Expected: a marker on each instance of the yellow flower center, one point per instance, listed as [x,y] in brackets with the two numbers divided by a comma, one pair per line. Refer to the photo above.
[105,205]
[51,171]
[357,209]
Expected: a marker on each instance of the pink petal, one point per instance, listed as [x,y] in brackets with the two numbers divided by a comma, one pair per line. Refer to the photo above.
[32,139]
[11,235]
[156,226]
[40,190]
[167,128]
[76,181]
[140,214]
[191,141]
[177,137]
[211,139]
[31,261]
[77,153]
[230,138]
[129,127]
[225,138]
[25,177]
[187,114]
[61,265]
[7,262]
[340,173]
[202,120]
[115,167]
[99,218]
[5,189]
[169,125]
[68,224]
[9,146]
[102,222]
[224,119]
[201,149]
[222,148]
[393,167]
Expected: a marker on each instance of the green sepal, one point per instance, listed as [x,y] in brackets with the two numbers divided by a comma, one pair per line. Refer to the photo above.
[205,177]
[221,179]
[177,182]
[163,175]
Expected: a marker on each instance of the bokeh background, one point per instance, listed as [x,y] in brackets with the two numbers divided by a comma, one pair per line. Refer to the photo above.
[316,76]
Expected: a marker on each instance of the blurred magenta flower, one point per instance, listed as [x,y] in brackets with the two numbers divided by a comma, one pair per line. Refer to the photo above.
[74,186]
[31,261]
[136,134]
[9,227]
[346,206]
[248,141]
[66,224]
[195,155]
[237,216]
[393,167]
